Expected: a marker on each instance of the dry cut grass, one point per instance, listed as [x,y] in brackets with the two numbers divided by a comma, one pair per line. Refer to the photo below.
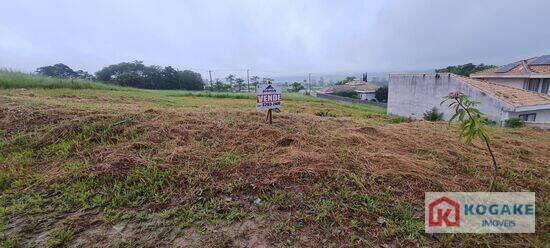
[157,175]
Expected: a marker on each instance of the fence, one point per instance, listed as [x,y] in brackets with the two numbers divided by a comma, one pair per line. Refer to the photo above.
[347,99]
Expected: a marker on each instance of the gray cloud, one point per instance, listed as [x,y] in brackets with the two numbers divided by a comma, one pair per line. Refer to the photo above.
[272,37]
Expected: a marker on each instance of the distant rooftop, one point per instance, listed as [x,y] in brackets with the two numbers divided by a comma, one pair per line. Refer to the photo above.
[355,85]
[528,67]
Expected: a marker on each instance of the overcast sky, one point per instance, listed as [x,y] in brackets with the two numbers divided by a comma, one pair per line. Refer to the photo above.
[276,37]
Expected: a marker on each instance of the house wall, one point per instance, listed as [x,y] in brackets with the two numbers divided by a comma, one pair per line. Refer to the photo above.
[367,96]
[543,115]
[413,95]
[512,82]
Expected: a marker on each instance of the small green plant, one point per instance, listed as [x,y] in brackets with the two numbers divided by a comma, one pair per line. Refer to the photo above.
[226,160]
[514,123]
[433,115]
[61,237]
[323,113]
[472,124]
[399,119]
[9,241]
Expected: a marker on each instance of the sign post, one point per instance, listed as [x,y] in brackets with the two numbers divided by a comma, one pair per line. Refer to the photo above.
[268,96]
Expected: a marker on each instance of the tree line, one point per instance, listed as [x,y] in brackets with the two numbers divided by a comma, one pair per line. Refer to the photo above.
[132,74]
[236,84]
[465,69]
[138,75]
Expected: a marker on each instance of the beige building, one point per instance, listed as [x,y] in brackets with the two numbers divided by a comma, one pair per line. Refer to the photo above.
[530,74]
[517,90]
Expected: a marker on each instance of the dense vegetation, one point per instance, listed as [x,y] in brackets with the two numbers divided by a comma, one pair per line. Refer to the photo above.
[136,74]
[465,69]
[13,79]
[381,94]
[350,94]
[132,74]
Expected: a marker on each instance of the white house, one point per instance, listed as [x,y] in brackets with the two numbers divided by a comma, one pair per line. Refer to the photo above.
[366,91]
[412,95]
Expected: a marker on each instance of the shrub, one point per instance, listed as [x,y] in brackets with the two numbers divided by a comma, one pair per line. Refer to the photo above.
[350,94]
[399,119]
[514,123]
[433,115]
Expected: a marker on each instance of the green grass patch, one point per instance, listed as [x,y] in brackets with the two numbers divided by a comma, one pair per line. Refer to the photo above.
[61,237]
[13,79]
[228,159]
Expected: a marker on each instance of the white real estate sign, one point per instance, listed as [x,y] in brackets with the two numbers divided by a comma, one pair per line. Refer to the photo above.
[268,96]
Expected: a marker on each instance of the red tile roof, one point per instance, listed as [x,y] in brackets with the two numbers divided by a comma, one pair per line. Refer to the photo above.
[513,96]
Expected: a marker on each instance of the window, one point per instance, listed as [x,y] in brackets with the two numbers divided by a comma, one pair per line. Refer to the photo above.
[545,86]
[533,84]
[528,117]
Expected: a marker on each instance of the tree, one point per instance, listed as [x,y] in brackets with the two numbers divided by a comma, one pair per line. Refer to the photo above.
[345,81]
[321,81]
[471,124]
[84,75]
[62,71]
[124,74]
[465,69]
[220,86]
[254,80]
[170,78]
[266,80]
[239,84]
[136,74]
[296,87]
[190,80]
[230,79]
[381,94]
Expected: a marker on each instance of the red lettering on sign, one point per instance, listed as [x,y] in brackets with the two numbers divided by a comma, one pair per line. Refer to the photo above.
[268,98]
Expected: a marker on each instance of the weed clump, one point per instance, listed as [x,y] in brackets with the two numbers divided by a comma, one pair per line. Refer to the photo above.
[433,115]
[324,113]
[399,119]
[514,123]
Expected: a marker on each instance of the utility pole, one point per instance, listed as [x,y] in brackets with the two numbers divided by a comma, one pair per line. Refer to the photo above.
[309,84]
[210,73]
[248,80]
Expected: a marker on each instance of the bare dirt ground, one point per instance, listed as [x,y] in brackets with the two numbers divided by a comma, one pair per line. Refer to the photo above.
[123,170]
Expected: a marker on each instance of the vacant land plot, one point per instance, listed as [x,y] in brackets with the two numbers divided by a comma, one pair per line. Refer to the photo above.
[119,167]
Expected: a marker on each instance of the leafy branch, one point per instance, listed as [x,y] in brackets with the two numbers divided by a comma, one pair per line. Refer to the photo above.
[472,124]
